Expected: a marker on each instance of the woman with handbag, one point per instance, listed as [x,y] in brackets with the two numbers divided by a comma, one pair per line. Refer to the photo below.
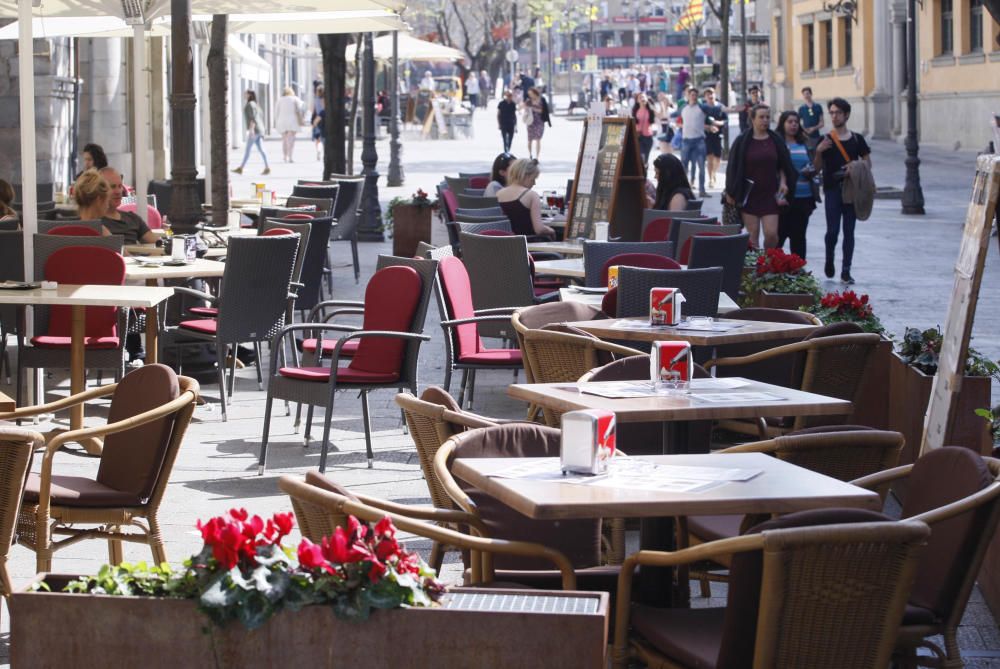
[255,131]
[536,115]
[644,114]
[287,121]
[794,219]
[757,177]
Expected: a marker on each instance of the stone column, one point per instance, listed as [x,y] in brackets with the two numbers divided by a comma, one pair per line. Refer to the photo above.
[897,17]
[881,100]
[104,117]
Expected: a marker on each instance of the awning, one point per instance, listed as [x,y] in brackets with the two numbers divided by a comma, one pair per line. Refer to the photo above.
[410,48]
[249,64]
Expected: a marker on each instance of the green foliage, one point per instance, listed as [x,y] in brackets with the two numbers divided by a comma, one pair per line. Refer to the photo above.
[775,272]
[920,349]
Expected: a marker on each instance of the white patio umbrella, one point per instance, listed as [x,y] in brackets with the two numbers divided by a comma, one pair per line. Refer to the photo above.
[319,23]
[410,48]
[135,14]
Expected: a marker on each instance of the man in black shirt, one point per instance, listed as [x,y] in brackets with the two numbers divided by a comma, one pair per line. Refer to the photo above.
[507,119]
[833,153]
[125,223]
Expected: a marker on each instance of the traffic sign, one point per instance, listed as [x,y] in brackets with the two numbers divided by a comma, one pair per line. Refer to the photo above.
[512,56]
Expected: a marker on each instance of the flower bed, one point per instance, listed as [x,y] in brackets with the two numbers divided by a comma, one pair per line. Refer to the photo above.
[771,274]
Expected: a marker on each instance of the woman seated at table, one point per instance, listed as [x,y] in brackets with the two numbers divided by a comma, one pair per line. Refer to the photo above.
[498,175]
[522,205]
[92,193]
[7,212]
[673,190]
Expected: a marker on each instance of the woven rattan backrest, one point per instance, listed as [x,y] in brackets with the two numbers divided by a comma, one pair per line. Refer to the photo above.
[596,254]
[441,252]
[835,366]
[315,520]
[345,210]
[11,268]
[16,446]
[457,184]
[314,192]
[687,229]
[427,269]
[190,389]
[474,201]
[833,596]
[479,227]
[845,455]
[45,226]
[323,205]
[727,252]
[313,261]
[500,275]
[557,357]
[430,426]
[493,212]
[45,246]
[302,229]
[700,287]
[255,287]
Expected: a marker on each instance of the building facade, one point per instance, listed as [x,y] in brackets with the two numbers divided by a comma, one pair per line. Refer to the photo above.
[861,56]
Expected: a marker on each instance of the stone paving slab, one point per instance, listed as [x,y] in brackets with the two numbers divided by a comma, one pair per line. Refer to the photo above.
[904,263]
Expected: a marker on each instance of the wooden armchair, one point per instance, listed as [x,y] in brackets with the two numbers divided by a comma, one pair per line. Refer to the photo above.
[150,411]
[16,446]
[823,589]
[957,493]
[832,366]
[321,506]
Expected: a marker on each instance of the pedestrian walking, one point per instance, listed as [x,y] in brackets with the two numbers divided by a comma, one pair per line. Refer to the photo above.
[753,99]
[693,151]
[644,114]
[811,117]
[507,119]
[794,219]
[317,120]
[757,177]
[472,89]
[539,117]
[682,81]
[255,132]
[833,153]
[287,121]
[714,127]
[484,88]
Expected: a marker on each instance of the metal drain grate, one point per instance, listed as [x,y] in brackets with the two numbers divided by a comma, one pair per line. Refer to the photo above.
[480,601]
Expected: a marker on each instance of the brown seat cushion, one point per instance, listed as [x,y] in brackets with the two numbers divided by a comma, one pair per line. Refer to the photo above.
[940,477]
[689,636]
[438,395]
[79,491]
[579,540]
[713,528]
[131,460]
[918,615]
[823,429]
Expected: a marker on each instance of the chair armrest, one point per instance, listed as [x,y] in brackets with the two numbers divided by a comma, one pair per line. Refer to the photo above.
[424,512]
[360,334]
[496,310]
[767,354]
[475,319]
[617,349]
[348,311]
[197,294]
[322,306]
[874,481]
[59,405]
[765,446]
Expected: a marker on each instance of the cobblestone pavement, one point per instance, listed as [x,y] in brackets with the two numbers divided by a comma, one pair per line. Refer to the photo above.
[904,263]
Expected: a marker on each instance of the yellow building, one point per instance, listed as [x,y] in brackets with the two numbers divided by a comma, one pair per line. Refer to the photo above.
[861,57]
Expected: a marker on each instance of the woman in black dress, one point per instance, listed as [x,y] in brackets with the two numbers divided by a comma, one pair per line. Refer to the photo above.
[757,177]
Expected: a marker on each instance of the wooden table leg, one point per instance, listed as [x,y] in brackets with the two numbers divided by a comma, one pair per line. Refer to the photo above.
[152,333]
[77,376]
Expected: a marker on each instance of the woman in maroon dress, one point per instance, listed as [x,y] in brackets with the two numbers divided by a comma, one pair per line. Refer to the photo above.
[757,177]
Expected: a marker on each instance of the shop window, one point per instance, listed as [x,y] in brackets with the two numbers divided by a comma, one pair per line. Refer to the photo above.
[946,26]
[976,26]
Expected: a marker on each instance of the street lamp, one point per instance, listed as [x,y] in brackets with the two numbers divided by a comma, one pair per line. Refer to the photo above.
[550,76]
[913,195]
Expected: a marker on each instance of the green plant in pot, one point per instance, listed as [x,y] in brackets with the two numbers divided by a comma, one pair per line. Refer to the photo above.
[420,199]
[920,349]
[775,272]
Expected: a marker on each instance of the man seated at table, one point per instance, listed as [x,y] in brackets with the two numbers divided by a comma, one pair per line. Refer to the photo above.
[125,223]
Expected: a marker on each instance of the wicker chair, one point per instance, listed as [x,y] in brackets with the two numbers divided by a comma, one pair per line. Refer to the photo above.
[822,589]
[727,252]
[957,493]
[579,540]
[16,446]
[433,418]
[833,366]
[843,452]
[684,230]
[457,184]
[45,227]
[479,212]
[53,352]
[596,254]
[700,287]
[149,414]
[302,229]
[481,227]
[776,371]
[324,205]
[321,506]
[345,212]
[474,202]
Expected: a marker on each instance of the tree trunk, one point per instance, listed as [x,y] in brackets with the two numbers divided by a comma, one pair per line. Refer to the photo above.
[334,73]
[218,96]
[352,133]
[724,6]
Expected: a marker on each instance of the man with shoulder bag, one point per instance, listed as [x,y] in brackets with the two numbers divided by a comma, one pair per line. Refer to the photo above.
[843,155]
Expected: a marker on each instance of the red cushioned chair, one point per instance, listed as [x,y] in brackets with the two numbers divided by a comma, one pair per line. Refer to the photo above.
[464,348]
[74,231]
[479,182]
[383,358]
[685,253]
[153,218]
[95,263]
[657,230]
[297,217]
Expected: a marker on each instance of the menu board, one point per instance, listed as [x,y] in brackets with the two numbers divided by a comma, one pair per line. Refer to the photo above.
[610,180]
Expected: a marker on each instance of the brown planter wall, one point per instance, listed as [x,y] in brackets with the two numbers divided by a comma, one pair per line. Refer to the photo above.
[83,631]
[782,300]
[872,406]
[411,224]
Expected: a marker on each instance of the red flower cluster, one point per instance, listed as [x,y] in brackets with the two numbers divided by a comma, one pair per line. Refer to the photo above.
[776,261]
[239,535]
[848,302]
[372,550]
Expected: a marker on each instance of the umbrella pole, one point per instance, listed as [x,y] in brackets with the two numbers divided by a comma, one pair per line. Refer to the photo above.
[29,174]
[139,131]
[395,177]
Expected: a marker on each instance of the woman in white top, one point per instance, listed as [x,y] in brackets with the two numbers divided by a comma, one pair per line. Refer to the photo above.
[287,120]
[498,175]
[522,205]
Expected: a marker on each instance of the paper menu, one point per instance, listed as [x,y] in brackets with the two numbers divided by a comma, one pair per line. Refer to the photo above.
[743,398]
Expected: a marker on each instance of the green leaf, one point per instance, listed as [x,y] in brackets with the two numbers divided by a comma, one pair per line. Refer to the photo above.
[219,593]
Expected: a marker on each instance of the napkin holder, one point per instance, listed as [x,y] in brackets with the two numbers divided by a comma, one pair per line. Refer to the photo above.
[665,306]
[588,441]
[670,364]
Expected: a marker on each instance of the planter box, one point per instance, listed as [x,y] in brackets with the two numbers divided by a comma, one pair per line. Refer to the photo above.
[411,224]
[782,300]
[872,406]
[474,627]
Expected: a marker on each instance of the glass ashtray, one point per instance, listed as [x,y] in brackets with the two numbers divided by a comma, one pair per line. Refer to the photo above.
[700,322]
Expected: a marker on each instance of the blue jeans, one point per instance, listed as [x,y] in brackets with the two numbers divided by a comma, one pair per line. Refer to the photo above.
[836,210]
[693,154]
[253,140]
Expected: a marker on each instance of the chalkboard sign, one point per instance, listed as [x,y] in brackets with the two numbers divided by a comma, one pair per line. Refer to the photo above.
[609,184]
